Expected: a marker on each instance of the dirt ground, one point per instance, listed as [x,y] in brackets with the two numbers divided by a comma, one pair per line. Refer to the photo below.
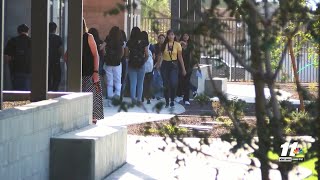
[216,132]
[195,113]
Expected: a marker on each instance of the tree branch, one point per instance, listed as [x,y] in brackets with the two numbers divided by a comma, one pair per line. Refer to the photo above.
[237,57]
[284,52]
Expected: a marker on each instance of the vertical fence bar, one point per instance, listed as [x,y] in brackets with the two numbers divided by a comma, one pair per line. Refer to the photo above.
[1,51]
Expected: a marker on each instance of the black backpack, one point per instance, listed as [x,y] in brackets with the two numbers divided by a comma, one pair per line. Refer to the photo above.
[136,56]
[112,56]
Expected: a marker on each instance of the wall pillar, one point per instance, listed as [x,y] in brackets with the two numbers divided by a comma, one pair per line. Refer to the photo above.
[74,63]
[39,49]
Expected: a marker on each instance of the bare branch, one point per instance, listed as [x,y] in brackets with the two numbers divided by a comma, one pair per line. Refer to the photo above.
[237,57]
[284,52]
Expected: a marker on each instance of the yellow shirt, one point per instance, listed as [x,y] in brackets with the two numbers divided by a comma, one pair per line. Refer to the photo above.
[174,55]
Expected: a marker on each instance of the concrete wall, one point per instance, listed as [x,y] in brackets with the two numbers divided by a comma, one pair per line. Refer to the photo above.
[25,133]
[93,12]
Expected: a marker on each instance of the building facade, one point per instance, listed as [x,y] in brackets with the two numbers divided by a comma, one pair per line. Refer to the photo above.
[18,12]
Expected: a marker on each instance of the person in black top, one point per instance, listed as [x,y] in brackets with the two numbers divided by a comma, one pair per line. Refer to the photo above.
[114,53]
[18,53]
[138,55]
[184,81]
[90,73]
[55,53]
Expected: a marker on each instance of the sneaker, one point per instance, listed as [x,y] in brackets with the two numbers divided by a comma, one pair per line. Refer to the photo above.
[172,104]
[187,103]
[178,99]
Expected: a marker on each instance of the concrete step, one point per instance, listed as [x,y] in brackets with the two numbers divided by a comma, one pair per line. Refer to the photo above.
[196,127]
[90,153]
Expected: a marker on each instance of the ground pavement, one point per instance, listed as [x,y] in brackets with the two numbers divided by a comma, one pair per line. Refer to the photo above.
[146,160]
[138,115]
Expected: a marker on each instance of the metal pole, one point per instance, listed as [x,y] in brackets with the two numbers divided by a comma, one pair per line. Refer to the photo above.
[40,48]
[1,50]
[74,63]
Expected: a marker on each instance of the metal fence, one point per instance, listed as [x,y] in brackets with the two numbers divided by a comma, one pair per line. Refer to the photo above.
[155,26]
[236,35]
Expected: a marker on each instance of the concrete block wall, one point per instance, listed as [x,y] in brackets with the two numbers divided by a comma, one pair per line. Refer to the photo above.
[90,153]
[25,133]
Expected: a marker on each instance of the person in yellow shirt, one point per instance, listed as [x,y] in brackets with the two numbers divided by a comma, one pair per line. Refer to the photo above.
[171,53]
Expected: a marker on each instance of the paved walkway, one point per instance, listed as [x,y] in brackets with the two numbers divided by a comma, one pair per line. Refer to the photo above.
[138,115]
[247,93]
[146,161]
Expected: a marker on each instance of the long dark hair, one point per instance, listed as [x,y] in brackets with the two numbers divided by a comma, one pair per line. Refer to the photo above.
[95,34]
[135,34]
[166,41]
[181,38]
[115,36]
[144,36]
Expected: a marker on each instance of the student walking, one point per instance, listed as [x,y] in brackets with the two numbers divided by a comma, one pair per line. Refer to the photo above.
[189,63]
[90,73]
[147,85]
[172,53]
[138,55]
[18,53]
[55,53]
[114,53]
[157,79]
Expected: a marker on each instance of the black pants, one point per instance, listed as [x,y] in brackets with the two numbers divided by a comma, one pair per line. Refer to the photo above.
[147,86]
[54,77]
[169,73]
[184,84]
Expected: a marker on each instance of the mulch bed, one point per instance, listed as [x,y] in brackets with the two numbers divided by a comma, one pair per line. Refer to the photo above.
[11,104]
[196,113]
[216,132]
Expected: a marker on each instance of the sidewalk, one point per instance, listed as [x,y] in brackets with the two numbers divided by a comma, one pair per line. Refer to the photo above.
[147,161]
[138,115]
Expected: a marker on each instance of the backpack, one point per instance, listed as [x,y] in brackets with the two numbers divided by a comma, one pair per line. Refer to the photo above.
[112,56]
[136,56]
[149,63]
